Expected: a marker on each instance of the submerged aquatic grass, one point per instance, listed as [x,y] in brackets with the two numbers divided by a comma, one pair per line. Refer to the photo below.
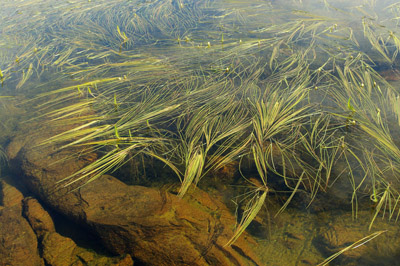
[3,160]
[295,94]
[354,245]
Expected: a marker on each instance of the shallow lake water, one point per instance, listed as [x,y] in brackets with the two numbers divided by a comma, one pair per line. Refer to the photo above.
[287,112]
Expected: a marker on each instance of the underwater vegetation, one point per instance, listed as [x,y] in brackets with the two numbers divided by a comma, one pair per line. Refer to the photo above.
[6,126]
[3,159]
[294,91]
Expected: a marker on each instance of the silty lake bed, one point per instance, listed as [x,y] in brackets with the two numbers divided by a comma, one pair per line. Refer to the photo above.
[199,132]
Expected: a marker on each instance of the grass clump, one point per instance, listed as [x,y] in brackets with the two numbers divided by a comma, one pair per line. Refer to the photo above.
[295,94]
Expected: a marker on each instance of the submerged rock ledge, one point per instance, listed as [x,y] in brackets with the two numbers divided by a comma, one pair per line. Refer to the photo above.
[152,225]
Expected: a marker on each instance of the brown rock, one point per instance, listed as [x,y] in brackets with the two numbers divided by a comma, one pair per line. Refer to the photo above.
[155,226]
[125,261]
[18,241]
[11,195]
[88,258]
[161,229]
[390,74]
[13,150]
[40,220]
[340,236]
[58,250]
[227,172]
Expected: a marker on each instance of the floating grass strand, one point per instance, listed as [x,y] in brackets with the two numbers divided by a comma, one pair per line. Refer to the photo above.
[355,245]
[194,168]
[251,211]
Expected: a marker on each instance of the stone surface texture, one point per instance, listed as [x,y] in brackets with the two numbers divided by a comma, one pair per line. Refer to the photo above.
[151,224]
